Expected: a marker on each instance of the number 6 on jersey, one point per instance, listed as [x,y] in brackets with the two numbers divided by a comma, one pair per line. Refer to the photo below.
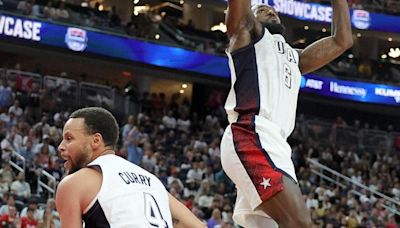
[288,75]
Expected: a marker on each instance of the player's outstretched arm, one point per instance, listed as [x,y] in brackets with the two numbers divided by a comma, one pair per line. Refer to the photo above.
[68,205]
[327,49]
[182,216]
[239,15]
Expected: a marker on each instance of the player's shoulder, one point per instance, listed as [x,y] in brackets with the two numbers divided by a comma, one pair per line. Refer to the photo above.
[79,180]
[82,186]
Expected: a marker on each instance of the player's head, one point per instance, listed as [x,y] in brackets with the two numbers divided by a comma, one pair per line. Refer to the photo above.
[87,133]
[269,18]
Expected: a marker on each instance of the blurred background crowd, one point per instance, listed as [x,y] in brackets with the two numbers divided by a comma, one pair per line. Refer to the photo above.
[182,148]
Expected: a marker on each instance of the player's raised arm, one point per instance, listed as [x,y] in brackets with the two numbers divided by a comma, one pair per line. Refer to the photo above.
[239,15]
[327,49]
[182,216]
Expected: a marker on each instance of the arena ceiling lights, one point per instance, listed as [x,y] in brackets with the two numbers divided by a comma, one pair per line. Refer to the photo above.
[394,53]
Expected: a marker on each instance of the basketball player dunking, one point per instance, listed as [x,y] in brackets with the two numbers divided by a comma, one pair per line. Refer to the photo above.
[105,190]
[261,107]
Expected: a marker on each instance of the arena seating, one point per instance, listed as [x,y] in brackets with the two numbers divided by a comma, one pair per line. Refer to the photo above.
[182,149]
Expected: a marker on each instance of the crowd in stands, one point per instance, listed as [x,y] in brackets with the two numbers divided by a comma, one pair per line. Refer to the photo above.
[23,204]
[67,12]
[182,149]
[375,168]
[362,70]
[147,25]
[143,25]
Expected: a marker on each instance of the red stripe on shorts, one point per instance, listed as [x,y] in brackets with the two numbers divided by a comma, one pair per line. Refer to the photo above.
[260,168]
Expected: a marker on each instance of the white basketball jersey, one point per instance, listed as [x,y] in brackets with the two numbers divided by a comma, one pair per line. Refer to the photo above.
[129,197]
[265,81]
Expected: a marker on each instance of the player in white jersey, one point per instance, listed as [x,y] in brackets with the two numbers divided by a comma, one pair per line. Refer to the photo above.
[261,107]
[104,190]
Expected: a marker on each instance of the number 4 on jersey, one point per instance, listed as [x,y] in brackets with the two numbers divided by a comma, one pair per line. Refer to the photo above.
[153,213]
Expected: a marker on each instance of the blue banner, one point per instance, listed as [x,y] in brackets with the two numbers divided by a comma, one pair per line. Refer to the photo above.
[350,90]
[360,19]
[80,40]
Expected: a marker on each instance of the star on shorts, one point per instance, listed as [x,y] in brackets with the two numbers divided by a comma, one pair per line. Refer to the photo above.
[266,183]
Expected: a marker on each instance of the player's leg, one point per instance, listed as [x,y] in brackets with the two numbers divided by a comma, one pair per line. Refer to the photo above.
[246,217]
[247,195]
[282,199]
[287,207]
[266,178]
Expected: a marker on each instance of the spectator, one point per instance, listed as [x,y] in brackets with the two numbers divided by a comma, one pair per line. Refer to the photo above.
[45,147]
[352,220]
[55,170]
[215,220]
[227,214]
[96,8]
[134,152]
[12,143]
[312,201]
[61,12]
[34,99]
[392,222]
[6,174]
[21,188]
[88,20]
[213,150]
[183,123]
[6,96]
[204,197]
[356,4]
[43,157]
[4,187]
[16,109]
[49,12]
[9,119]
[393,6]
[50,216]
[200,143]
[55,132]
[174,178]
[115,20]
[131,29]
[10,219]
[33,137]
[396,190]
[169,120]
[35,9]
[29,221]
[190,188]
[33,208]
[130,125]
[43,125]
[5,209]
[195,173]
[25,7]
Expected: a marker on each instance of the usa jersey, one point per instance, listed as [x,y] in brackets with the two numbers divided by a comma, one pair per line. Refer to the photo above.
[129,197]
[265,81]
